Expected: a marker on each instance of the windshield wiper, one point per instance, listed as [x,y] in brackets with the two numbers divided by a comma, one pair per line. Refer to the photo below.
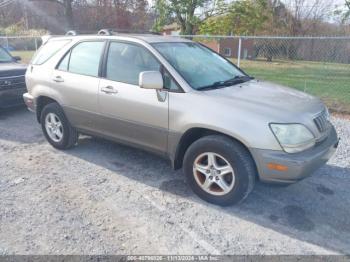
[233,81]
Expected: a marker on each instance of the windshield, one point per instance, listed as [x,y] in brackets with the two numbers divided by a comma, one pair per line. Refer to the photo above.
[198,65]
[5,56]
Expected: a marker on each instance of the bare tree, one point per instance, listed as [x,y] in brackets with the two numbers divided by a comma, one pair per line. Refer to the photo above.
[67,6]
[306,15]
[346,15]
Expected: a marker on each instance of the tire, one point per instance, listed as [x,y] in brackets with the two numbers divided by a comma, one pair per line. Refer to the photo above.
[69,135]
[228,153]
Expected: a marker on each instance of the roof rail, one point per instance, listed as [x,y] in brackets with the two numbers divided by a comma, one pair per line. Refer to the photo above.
[124,31]
[72,33]
[107,32]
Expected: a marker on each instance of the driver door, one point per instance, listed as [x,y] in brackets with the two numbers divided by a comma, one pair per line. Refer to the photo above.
[130,113]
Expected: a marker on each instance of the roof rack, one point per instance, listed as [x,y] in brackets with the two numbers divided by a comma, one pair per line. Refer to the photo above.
[72,33]
[105,32]
[124,31]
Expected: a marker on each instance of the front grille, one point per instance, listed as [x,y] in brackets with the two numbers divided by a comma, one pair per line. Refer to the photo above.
[12,82]
[322,121]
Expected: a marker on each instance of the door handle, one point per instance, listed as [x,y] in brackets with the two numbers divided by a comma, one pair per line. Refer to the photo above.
[109,90]
[58,79]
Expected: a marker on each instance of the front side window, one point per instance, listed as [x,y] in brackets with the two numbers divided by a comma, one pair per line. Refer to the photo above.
[85,58]
[126,61]
[48,50]
[199,66]
[169,82]
[5,57]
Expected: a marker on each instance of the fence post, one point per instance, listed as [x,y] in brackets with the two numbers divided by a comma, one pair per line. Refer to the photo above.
[7,42]
[239,51]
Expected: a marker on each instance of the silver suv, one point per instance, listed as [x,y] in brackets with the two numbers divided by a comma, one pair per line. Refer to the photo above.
[183,101]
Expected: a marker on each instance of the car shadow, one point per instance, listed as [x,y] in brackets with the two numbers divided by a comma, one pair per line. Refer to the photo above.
[315,210]
[17,124]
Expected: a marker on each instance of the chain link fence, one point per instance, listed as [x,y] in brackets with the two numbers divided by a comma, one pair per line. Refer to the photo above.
[23,46]
[317,65]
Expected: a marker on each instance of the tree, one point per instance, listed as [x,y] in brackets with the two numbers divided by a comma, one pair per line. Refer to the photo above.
[162,14]
[59,16]
[243,17]
[187,13]
[306,15]
[345,14]
[140,13]
[116,14]
[67,6]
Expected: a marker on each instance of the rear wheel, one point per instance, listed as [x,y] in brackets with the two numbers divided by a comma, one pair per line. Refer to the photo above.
[219,170]
[56,127]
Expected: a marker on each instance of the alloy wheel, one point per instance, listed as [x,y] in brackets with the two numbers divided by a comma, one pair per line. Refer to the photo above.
[213,173]
[54,127]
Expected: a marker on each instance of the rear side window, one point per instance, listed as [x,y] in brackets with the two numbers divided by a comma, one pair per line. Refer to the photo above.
[63,66]
[83,59]
[48,50]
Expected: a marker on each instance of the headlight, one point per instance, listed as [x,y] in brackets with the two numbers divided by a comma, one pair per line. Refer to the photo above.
[293,137]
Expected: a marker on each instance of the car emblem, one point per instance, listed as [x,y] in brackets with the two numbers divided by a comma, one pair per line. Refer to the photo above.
[7,83]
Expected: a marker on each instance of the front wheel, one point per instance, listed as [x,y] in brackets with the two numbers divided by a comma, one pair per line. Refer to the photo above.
[219,170]
[56,127]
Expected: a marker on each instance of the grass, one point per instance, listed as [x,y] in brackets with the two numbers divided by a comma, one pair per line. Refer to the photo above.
[329,81]
[25,55]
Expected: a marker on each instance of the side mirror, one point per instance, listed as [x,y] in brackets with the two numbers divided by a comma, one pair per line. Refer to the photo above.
[17,58]
[151,80]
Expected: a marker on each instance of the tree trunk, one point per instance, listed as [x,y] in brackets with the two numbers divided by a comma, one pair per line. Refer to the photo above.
[188,29]
[68,12]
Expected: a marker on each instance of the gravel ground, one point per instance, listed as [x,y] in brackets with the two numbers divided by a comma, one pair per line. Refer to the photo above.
[103,198]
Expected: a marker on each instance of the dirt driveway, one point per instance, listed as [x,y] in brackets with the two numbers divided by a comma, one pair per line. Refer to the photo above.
[103,198]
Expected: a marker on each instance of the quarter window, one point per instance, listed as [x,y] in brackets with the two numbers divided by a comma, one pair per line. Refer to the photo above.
[126,61]
[48,50]
[84,59]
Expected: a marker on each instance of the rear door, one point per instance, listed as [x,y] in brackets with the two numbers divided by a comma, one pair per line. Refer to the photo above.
[130,113]
[76,79]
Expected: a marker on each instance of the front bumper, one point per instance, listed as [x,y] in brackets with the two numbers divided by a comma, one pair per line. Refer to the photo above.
[300,165]
[11,97]
[29,101]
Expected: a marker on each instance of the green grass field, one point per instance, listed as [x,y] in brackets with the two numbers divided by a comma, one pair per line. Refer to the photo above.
[25,55]
[329,81]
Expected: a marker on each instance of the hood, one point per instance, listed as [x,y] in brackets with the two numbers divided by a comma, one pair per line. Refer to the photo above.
[268,98]
[12,69]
